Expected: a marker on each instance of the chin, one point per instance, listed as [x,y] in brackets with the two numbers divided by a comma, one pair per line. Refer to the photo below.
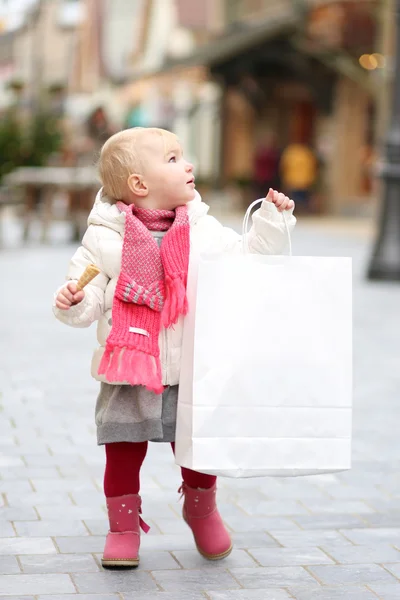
[192,196]
[182,202]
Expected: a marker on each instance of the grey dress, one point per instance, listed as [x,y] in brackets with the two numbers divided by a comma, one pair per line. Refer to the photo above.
[127,413]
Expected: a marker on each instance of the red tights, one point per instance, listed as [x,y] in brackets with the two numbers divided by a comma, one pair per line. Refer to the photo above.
[122,474]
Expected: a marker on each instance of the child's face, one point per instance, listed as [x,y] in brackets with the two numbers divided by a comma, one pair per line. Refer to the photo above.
[169,177]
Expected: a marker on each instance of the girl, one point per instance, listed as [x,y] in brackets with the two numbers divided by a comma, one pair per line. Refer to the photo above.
[144,221]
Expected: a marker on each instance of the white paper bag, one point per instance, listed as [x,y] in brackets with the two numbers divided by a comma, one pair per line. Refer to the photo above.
[266,373]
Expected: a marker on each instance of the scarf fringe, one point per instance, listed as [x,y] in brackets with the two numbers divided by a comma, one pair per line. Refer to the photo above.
[133,366]
[176,302]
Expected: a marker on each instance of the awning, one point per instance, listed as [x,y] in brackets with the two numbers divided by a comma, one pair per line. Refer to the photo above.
[245,36]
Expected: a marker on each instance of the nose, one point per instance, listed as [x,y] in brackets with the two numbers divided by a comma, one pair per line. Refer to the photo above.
[189,167]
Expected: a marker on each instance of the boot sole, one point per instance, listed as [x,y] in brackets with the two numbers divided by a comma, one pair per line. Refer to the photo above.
[215,556]
[120,563]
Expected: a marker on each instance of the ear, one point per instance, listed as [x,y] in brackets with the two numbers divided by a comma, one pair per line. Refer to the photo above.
[137,185]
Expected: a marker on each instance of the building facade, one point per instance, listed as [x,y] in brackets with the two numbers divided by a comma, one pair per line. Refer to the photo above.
[223,74]
[43,44]
[229,72]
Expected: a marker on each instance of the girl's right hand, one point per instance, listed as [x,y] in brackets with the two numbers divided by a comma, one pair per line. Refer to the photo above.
[69,296]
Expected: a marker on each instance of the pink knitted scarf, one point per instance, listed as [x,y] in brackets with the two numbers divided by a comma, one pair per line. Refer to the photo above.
[150,293]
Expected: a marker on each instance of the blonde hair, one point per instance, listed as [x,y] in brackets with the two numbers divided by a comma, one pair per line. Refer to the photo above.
[121,156]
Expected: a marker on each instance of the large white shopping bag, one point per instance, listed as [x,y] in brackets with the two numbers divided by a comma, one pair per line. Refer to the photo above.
[266,374]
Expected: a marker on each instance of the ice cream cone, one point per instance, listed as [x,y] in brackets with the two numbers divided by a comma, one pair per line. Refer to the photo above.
[89,273]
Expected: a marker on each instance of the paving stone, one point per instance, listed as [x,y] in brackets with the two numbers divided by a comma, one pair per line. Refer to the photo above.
[393,568]
[379,553]
[38,498]
[97,526]
[341,507]
[186,595]
[250,595]
[17,598]
[80,597]
[78,544]
[331,521]
[227,510]
[28,473]
[351,574]
[285,557]
[386,591]
[41,460]
[253,539]
[50,528]
[168,526]
[81,470]
[88,498]
[270,577]
[329,593]
[300,539]
[193,560]
[18,514]
[6,529]
[113,581]
[389,519]
[18,486]
[148,484]
[71,513]
[161,509]
[36,584]
[59,563]
[37,447]
[246,523]
[384,505]
[195,580]
[9,565]
[272,508]
[296,489]
[349,492]
[369,537]
[157,561]
[14,546]
[167,542]
[63,485]
[8,461]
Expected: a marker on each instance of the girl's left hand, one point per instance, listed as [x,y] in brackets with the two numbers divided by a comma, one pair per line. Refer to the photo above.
[281,201]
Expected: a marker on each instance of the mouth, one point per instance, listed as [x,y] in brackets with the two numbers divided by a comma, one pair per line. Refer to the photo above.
[191,181]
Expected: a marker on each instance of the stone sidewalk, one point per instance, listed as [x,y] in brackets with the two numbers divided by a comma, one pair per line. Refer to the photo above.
[322,538]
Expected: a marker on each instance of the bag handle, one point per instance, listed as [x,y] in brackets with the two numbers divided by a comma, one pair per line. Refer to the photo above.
[245,244]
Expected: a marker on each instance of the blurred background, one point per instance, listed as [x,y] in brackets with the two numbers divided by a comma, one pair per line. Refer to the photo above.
[293,94]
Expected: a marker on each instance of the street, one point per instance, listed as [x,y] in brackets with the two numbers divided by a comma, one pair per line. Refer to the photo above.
[317,538]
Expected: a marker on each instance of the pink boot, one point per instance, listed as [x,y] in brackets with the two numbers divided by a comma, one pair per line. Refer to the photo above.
[201,514]
[123,539]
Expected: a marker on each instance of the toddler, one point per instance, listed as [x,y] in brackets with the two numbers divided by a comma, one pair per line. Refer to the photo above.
[145,220]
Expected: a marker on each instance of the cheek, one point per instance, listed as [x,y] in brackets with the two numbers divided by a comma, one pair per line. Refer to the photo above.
[174,176]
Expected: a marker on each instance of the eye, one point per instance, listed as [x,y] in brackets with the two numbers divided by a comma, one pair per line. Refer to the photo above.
[172,159]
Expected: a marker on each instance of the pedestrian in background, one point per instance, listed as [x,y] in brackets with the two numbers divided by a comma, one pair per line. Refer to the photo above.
[266,165]
[299,169]
[145,220]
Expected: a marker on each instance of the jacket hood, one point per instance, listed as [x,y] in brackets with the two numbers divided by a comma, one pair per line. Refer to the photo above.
[106,213]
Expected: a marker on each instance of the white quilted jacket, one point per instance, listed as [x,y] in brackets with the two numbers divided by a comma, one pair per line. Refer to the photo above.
[102,245]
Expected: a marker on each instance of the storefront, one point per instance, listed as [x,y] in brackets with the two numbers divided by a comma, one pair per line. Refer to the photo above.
[307,85]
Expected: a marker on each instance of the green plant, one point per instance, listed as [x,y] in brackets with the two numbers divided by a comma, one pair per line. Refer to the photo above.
[10,143]
[43,138]
[29,143]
